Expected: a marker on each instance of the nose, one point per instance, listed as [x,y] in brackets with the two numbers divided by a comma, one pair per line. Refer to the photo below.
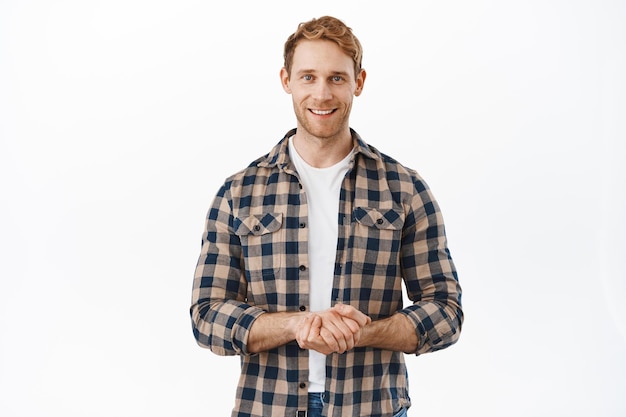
[322,91]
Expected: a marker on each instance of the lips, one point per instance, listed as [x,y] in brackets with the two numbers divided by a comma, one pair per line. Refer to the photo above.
[321,112]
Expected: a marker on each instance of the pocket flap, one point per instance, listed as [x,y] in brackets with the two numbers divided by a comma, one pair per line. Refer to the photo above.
[258,224]
[381,219]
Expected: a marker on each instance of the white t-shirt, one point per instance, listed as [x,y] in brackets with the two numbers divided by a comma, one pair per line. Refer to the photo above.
[322,187]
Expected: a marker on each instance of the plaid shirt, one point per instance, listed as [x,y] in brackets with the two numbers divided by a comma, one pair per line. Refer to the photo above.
[254,260]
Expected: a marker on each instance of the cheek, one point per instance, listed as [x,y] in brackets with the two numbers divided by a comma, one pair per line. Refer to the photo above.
[298,97]
[348,98]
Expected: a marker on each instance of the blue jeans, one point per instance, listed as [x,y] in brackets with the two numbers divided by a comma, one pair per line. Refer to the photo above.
[401,413]
[316,404]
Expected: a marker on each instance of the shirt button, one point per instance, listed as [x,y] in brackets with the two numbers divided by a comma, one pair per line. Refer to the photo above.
[257,228]
[302,225]
[302,308]
[380,221]
[302,385]
[302,268]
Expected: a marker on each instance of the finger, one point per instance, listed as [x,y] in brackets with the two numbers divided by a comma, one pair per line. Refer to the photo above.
[351,324]
[313,336]
[335,333]
[348,328]
[316,340]
[352,313]
[341,329]
[341,333]
[316,326]
[308,335]
[302,334]
[333,343]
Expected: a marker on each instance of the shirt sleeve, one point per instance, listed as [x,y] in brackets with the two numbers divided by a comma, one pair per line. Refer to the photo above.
[430,275]
[221,318]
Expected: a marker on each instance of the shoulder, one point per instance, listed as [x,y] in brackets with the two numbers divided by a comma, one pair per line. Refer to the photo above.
[395,172]
[261,167]
[383,163]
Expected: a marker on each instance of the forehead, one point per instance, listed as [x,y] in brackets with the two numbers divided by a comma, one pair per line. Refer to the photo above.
[322,56]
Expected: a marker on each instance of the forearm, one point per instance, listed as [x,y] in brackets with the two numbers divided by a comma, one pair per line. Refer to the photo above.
[395,333]
[271,330]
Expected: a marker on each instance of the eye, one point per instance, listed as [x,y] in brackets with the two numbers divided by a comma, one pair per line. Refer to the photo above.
[337,78]
[307,77]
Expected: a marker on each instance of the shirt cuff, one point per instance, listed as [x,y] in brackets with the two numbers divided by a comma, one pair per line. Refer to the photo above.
[241,329]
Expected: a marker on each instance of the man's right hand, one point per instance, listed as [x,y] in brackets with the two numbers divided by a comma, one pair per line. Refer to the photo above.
[335,330]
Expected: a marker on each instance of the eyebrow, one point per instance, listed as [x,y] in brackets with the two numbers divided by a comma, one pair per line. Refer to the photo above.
[312,71]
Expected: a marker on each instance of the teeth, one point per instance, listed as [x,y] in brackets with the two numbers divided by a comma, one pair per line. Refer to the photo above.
[322,112]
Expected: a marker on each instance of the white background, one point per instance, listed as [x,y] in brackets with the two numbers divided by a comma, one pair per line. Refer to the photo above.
[120,119]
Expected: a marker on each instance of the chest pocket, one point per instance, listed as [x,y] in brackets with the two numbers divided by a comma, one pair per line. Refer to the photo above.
[262,240]
[377,237]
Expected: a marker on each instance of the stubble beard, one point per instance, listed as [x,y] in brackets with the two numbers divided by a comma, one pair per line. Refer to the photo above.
[326,130]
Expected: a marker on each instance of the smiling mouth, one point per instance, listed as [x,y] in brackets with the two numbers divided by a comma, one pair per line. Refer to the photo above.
[321,112]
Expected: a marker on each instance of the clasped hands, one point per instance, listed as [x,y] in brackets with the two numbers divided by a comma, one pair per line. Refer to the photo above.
[335,330]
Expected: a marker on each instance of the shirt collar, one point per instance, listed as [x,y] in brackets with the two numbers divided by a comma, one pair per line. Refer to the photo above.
[279,155]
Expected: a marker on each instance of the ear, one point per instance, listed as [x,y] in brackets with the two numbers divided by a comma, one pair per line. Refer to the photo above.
[284,80]
[360,82]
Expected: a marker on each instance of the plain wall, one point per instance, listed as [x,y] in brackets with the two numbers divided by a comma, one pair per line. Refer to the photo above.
[120,119]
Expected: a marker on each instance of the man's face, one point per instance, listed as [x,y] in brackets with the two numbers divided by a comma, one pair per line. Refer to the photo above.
[322,85]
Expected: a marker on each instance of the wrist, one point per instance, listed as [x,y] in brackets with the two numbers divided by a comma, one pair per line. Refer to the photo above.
[392,333]
[367,335]
[293,323]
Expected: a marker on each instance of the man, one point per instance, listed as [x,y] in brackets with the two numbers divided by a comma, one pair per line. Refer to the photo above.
[305,251]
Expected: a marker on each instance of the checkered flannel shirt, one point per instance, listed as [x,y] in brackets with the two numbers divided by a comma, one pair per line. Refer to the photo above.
[254,260]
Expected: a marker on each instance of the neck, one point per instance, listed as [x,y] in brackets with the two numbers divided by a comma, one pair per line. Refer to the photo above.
[322,152]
